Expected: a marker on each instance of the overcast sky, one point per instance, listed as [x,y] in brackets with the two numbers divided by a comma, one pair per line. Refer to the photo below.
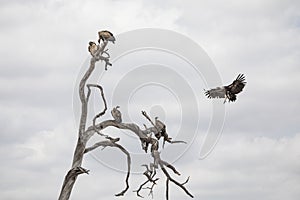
[44,50]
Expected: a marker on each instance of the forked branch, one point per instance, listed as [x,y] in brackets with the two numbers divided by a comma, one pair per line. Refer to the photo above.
[163,164]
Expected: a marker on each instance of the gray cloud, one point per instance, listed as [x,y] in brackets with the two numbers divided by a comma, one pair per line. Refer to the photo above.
[249,168]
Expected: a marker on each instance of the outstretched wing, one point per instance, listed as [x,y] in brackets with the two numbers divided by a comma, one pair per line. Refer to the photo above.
[218,92]
[237,85]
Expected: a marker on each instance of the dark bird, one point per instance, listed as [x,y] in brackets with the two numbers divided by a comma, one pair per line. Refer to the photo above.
[106,36]
[93,47]
[161,127]
[228,92]
[116,114]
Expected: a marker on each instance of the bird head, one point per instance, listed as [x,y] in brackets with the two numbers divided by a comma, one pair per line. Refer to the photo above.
[91,43]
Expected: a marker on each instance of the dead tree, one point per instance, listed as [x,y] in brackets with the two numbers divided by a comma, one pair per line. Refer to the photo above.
[144,134]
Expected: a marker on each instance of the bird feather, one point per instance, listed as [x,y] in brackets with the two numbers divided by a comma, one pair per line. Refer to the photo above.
[218,92]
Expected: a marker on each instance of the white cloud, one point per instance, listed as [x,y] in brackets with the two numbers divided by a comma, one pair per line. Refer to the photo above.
[248,168]
[34,167]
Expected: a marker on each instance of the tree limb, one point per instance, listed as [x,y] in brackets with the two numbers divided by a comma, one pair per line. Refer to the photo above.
[113,143]
[162,165]
[104,102]
[150,174]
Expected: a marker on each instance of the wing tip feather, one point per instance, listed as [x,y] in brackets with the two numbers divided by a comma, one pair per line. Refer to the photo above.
[241,78]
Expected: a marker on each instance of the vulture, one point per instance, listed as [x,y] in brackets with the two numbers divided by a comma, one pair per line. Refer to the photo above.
[228,92]
[106,36]
[93,47]
[161,128]
[116,114]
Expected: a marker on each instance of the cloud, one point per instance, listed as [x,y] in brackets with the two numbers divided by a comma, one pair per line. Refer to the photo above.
[248,168]
[34,166]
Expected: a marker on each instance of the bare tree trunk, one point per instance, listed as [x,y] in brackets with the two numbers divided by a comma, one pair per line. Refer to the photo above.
[76,169]
[73,172]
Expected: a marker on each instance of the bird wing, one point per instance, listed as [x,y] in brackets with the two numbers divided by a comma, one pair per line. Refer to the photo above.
[218,92]
[110,33]
[160,124]
[107,35]
[238,84]
[112,39]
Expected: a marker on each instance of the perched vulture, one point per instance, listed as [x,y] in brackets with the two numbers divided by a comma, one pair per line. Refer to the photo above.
[228,92]
[106,36]
[93,47]
[116,114]
[161,128]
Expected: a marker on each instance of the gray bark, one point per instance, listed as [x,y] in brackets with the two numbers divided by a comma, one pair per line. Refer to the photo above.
[72,174]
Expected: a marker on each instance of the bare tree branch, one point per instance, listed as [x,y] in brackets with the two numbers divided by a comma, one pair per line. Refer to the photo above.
[82,84]
[150,174]
[167,189]
[104,102]
[162,165]
[149,119]
[141,134]
[113,143]
[140,188]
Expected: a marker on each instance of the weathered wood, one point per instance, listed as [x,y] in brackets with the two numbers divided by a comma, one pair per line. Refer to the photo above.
[71,177]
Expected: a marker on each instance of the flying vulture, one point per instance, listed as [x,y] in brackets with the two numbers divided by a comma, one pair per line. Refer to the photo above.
[106,36]
[228,92]
[116,114]
[93,47]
